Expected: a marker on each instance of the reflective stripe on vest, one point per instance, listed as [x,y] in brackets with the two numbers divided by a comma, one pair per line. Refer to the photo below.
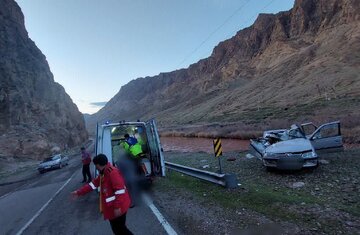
[112,198]
[121,191]
[92,185]
[109,199]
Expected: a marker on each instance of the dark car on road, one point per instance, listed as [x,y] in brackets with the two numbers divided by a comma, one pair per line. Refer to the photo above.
[54,162]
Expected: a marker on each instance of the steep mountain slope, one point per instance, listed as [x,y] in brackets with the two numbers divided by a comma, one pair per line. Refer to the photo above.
[36,114]
[303,63]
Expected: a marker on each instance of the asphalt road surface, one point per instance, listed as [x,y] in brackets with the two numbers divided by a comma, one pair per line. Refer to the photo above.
[43,205]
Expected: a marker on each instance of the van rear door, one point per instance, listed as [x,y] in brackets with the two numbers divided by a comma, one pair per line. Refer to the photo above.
[156,153]
[103,144]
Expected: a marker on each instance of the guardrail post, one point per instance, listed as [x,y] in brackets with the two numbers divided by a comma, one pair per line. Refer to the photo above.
[231,181]
[225,180]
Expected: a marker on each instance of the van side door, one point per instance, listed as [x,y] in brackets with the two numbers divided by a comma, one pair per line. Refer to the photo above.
[327,137]
[156,154]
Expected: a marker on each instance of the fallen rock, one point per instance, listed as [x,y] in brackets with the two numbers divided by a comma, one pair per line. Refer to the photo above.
[249,156]
[349,223]
[297,185]
[55,149]
[324,162]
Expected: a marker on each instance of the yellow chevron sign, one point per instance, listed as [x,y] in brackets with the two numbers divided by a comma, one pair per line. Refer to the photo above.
[217,147]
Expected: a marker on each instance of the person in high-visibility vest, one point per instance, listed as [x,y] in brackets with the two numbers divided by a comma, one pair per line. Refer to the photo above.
[114,197]
[132,146]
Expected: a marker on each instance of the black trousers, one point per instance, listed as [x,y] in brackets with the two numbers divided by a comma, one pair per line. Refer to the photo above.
[118,226]
[86,172]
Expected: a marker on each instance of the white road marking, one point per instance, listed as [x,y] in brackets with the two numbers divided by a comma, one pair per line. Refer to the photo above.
[3,196]
[16,189]
[43,207]
[159,216]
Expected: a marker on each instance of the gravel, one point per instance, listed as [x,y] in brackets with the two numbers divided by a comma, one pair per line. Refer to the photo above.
[323,200]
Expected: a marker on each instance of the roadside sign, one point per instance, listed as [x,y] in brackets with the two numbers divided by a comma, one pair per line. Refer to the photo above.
[217,147]
[218,151]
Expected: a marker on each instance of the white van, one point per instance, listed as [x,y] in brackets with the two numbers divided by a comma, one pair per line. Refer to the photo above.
[110,135]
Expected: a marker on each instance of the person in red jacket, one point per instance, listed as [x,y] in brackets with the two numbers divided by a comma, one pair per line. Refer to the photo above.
[114,197]
[86,160]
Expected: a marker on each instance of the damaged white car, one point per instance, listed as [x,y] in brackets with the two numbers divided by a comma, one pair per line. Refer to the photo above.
[297,147]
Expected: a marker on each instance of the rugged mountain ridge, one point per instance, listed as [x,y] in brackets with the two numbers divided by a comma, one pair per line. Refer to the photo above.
[297,59]
[36,114]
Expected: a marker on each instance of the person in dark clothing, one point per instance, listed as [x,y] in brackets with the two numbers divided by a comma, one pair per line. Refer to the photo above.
[118,225]
[86,160]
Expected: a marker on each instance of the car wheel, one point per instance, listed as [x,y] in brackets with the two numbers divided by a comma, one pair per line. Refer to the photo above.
[60,166]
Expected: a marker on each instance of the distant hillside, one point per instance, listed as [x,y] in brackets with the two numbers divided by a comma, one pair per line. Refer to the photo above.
[301,64]
[86,117]
[36,115]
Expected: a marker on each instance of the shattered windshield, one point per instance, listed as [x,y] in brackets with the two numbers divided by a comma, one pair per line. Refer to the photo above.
[294,132]
[52,158]
[47,159]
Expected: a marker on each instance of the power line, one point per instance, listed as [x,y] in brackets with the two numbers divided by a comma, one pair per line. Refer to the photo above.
[267,5]
[211,34]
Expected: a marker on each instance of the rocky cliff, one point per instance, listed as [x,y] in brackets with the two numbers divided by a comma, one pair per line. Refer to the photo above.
[36,115]
[304,62]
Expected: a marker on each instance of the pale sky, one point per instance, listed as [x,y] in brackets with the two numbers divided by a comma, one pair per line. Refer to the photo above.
[94,47]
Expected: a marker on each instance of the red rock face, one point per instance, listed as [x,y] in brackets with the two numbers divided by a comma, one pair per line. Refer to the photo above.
[35,112]
[302,56]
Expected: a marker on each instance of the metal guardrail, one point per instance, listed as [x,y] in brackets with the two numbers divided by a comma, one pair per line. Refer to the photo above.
[225,180]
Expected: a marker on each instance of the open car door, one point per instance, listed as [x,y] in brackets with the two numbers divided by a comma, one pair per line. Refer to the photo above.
[327,137]
[156,153]
[308,128]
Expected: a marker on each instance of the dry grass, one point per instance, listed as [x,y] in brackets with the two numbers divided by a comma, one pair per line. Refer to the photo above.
[350,127]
